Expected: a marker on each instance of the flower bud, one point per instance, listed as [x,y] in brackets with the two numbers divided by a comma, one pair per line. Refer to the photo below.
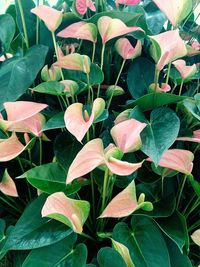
[141,198]
[70,86]
[86,64]
[98,107]
[163,89]
[50,74]
[114,90]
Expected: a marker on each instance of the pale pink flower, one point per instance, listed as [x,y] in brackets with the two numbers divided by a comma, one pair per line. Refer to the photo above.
[185,71]
[126,50]
[83,5]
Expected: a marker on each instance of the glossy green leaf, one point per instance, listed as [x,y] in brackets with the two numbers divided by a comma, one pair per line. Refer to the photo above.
[7,32]
[19,73]
[109,257]
[140,77]
[2,229]
[51,88]
[29,18]
[63,253]
[50,178]
[32,231]
[66,149]
[55,122]
[177,259]
[96,75]
[154,100]
[160,133]
[144,241]
[174,228]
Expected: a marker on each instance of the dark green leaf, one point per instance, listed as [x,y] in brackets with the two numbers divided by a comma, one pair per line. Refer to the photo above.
[56,122]
[109,257]
[154,100]
[160,133]
[32,231]
[30,19]
[66,149]
[140,77]
[144,241]
[51,88]
[19,73]
[7,31]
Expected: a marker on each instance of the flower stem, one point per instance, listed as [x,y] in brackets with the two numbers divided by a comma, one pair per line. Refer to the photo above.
[181,87]
[93,51]
[23,23]
[40,148]
[102,61]
[116,82]
[56,50]
[181,191]
[168,72]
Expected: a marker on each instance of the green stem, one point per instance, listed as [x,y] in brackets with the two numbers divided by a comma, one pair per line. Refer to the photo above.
[181,191]
[40,148]
[93,51]
[20,164]
[168,72]
[181,87]
[194,206]
[93,196]
[88,236]
[102,61]
[9,204]
[56,51]
[162,185]
[116,82]
[23,23]
[156,78]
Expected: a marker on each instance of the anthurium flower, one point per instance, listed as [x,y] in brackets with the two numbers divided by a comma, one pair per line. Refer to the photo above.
[175,10]
[195,138]
[10,148]
[126,50]
[124,252]
[74,61]
[23,116]
[51,17]
[50,74]
[167,47]
[70,86]
[7,185]
[185,71]
[123,116]
[196,45]
[127,2]
[110,28]
[177,159]
[125,203]
[80,30]
[78,121]
[126,135]
[69,211]
[164,88]
[83,5]
[196,237]
[93,155]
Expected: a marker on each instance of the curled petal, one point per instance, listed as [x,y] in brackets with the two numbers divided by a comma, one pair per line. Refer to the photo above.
[177,159]
[123,204]
[123,116]
[110,28]
[51,17]
[196,45]
[80,30]
[175,10]
[196,237]
[7,185]
[122,168]
[126,135]
[90,157]
[126,50]
[74,61]
[10,148]
[164,88]
[66,210]
[163,51]
[185,71]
